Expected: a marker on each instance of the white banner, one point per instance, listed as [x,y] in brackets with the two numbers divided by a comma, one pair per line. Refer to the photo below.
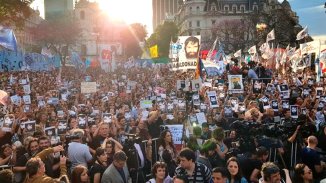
[88,87]
[188,53]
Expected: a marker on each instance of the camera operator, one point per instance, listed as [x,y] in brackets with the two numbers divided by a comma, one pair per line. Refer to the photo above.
[139,157]
[272,174]
[78,153]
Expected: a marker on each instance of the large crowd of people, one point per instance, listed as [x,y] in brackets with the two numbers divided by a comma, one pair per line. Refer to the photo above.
[109,136]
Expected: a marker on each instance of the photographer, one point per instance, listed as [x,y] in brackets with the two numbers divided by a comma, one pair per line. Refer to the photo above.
[78,153]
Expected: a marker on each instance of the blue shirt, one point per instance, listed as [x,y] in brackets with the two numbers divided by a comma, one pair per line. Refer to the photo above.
[252,74]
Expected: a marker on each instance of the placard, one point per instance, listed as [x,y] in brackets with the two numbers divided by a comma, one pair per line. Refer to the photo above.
[88,87]
[50,131]
[196,84]
[27,99]
[146,104]
[201,118]
[176,132]
[294,109]
[27,89]
[212,99]
[235,83]
[29,126]
[181,105]
[62,127]
[6,123]
[256,86]
[82,121]
[196,100]
[275,105]
[107,117]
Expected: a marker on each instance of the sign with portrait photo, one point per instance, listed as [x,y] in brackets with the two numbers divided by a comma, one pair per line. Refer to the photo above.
[274,104]
[319,92]
[285,104]
[176,132]
[62,127]
[213,101]
[228,113]
[256,86]
[294,109]
[6,123]
[235,83]
[189,47]
[29,126]
[82,121]
[50,131]
[196,84]
[196,99]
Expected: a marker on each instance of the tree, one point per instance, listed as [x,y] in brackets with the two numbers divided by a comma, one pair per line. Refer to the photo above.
[59,33]
[162,37]
[132,35]
[14,11]
[234,34]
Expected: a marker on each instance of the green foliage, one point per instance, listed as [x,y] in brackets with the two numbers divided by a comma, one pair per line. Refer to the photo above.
[14,12]
[197,131]
[162,37]
[132,35]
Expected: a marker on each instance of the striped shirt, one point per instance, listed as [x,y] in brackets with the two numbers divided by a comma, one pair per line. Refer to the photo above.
[201,174]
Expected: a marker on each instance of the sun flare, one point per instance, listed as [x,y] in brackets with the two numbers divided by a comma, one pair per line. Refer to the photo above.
[130,11]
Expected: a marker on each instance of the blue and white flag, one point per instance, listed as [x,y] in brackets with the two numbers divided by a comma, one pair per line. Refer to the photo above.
[8,39]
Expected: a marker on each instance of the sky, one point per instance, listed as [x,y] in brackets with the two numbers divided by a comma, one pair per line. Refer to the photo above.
[311,13]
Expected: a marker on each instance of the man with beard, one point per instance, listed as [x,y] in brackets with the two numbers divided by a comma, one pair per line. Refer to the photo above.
[52,164]
[192,47]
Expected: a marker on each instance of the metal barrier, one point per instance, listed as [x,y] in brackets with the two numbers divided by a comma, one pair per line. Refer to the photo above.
[154,152]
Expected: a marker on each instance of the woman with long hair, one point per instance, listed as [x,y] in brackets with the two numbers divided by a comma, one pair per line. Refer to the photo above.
[99,166]
[302,174]
[159,173]
[165,142]
[234,171]
[79,175]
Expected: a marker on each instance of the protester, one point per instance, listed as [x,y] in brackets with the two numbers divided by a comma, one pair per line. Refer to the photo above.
[79,174]
[159,173]
[302,174]
[117,172]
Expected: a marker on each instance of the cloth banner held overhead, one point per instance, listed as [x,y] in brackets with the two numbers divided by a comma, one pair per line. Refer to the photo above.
[310,47]
[211,51]
[188,54]
[8,39]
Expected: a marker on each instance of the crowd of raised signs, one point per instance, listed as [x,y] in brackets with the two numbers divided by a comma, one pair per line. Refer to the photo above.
[251,124]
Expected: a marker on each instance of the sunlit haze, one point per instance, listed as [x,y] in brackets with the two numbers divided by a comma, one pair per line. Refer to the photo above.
[130,11]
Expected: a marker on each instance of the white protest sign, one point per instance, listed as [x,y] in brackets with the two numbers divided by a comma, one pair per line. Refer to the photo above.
[176,131]
[88,87]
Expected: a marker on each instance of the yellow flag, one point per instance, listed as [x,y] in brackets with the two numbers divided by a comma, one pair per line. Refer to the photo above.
[153,51]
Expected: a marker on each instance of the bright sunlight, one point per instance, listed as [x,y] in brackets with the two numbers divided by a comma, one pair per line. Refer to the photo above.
[130,11]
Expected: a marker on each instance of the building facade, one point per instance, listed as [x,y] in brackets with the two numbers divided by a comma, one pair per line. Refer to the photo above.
[54,8]
[164,10]
[97,30]
[201,17]
[25,36]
